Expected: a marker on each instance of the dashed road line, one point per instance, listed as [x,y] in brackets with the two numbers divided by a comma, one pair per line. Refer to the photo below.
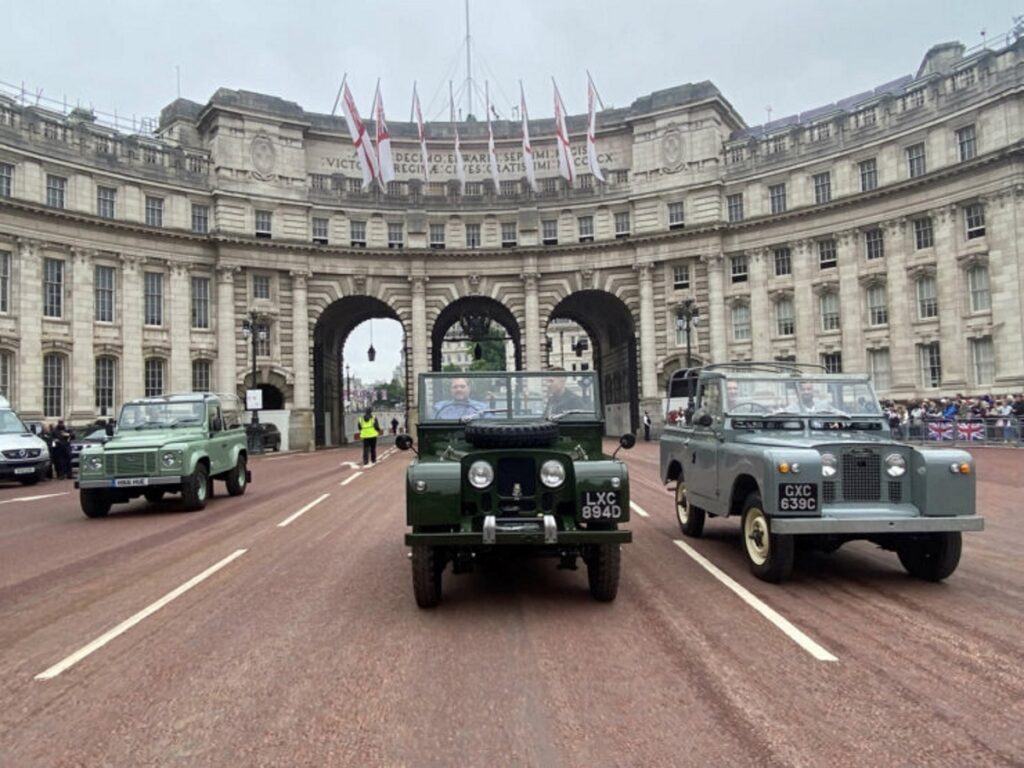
[35,498]
[782,623]
[350,478]
[638,509]
[302,511]
[127,624]
[350,464]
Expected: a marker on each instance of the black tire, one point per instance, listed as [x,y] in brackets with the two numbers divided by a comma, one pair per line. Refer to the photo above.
[534,434]
[236,480]
[153,495]
[94,503]
[603,567]
[426,575]
[769,555]
[931,556]
[195,488]
[691,519]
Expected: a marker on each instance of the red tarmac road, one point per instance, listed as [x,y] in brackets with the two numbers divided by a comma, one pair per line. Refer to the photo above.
[308,649]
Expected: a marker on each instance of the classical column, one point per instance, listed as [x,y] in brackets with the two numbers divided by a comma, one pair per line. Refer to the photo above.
[30,328]
[952,300]
[180,309]
[851,300]
[760,308]
[716,306]
[226,329]
[532,360]
[805,303]
[648,348]
[132,372]
[300,339]
[419,330]
[83,363]
[902,297]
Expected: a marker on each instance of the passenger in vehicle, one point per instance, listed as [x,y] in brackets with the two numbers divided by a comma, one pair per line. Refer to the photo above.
[461,403]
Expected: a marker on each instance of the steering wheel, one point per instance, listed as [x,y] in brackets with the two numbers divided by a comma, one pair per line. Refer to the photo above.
[750,407]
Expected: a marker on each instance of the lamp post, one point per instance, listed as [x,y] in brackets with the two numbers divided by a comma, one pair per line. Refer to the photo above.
[686,317]
[255,330]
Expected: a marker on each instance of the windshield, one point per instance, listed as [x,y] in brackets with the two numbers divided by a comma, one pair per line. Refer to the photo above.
[461,397]
[10,424]
[156,415]
[845,397]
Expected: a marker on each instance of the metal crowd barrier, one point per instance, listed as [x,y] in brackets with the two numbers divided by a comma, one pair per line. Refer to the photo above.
[994,430]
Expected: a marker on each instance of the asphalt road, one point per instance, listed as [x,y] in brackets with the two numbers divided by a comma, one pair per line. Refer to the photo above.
[248,634]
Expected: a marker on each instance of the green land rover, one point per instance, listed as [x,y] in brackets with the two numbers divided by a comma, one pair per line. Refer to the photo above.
[513,462]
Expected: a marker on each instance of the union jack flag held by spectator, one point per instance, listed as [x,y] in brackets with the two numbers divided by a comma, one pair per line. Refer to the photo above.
[971,430]
[940,430]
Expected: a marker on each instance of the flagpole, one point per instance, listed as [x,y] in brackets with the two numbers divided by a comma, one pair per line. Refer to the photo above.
[412,105]
[338,97]
[596,92]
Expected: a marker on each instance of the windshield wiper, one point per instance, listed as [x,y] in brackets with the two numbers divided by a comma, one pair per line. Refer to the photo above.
[784,412]
[570,412]
[471,416]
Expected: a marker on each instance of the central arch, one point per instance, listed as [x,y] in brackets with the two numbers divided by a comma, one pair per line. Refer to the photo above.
[467,310]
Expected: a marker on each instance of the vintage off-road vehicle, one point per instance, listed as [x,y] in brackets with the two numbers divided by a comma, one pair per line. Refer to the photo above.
[801,455]
[513,462]
[172,444]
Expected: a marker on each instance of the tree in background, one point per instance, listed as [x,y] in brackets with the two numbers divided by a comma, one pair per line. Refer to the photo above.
[492,350]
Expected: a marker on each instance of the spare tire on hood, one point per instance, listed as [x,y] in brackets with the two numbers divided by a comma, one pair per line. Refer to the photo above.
[503,434]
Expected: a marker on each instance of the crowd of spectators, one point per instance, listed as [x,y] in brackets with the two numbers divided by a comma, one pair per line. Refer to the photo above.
[1001,414]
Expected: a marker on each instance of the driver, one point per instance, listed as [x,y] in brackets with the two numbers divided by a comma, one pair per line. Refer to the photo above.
[809,401]
[561,399]
[732,395]
[460,404]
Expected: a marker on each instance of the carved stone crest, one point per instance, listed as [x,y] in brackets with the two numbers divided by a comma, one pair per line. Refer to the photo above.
[264,157]
[672,149]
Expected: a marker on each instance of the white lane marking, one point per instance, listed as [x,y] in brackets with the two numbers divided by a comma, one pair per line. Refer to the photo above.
[638,509]
[302,511]
[34,498]
[127,624]
[758,605]
[350,464]
[350,478]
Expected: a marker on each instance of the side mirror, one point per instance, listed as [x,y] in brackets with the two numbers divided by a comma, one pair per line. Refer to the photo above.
[403,442]
[109,429]
[216,425]
[627,441]
[703,419]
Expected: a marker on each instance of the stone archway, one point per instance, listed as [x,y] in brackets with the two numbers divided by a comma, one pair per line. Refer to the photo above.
[469,311]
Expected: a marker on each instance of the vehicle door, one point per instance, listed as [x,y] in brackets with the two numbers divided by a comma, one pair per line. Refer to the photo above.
[702,451]
[220,441]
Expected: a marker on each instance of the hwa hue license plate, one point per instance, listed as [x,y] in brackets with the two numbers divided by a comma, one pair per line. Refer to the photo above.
[601,505]
[798,497]
[127,482]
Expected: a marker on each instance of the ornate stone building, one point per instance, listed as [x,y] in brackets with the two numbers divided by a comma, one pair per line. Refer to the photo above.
[878,233]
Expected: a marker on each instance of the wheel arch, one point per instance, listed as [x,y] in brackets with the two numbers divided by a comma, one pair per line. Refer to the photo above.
[742,486]
[674,471]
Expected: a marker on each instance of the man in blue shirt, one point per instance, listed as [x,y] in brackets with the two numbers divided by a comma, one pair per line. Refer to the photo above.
[461,404]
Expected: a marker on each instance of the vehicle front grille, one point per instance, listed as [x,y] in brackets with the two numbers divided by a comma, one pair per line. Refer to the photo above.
[895,491]
[22,453]
[861,476]
[516,484]
[828,492]
[127,464]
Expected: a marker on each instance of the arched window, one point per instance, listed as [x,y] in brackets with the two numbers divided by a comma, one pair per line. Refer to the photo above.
[53,386]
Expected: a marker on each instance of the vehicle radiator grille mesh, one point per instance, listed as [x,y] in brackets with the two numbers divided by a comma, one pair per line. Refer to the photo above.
[828,492]
[862,477]
[128,464]
[895,491]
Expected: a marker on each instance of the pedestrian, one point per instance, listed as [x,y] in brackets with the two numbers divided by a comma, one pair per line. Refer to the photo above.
[647,426]
[62,451]
[369,431]
[394,425]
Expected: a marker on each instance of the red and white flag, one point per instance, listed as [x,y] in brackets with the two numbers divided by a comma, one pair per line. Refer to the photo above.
[492,157]
[595,168]
[422,132]
[460,168]
[531,175]
[361,139]
[562,137]
[385,165]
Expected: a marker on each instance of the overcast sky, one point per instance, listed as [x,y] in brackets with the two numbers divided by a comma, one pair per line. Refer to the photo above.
[791,55]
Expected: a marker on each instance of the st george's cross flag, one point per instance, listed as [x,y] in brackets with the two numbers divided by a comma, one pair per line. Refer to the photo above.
[385,165]
[422,132]
[595,169]
[356,129]
[492,157]
[562,137]
[531,175]
[460,168]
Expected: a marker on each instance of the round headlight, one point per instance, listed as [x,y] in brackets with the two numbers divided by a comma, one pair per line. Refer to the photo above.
[170,458]
[552,473]
[895,465]
[828,465]
[481,474]
[616,483]
[95,462]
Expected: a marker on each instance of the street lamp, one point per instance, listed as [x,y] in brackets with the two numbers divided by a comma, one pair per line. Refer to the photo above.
[686,317]
[253,328]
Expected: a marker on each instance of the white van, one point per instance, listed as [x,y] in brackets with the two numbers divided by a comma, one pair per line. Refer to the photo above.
[23,456]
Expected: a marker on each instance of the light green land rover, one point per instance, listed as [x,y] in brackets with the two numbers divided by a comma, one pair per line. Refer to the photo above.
[171,444]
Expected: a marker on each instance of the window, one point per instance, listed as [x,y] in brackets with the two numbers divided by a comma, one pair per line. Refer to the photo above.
[783,261]
[319,182]
[200,302]
[586,181]
[865,118]
[967,142]
[927,298]
[868,175]
[739,268]
[982,360]
[200,219]
[549,229]
[153,287]
[154,377]
[474,188]
[822,187]
[676,219]
[261,286]
[104,288]
[916,165]
[509,234]
[874,244]
[741,322]
[734,203]
[974,218]
[618,177]
[913,100]
[201,379]
[777,198]
[784,317]
[833,362]
[880,368]
[437,237]
[5,281]
[396,235]
[586,228]
[53,386]
[6,179]
[154,211]
[472,235]
[878,306]
[820,131]
[829,304]
[777,145]
[681,276]
[963,79]
[105,200]
[509,187]
[827,253]
[622,224]
[735,155]
[262,339]
[264,222]
[53,288]
[56,187]
[105,370]
[357,234]
[149,155]
[549,186]
[931,364]
[978,285]
[320,231]
[924,235]
[5,374]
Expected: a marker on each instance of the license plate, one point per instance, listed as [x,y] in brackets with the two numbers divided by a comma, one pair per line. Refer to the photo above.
[24,470]
[601,505]
[128,482]
[798,497]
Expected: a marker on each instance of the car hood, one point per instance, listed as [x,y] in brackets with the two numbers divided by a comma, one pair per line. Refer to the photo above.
[12,442]
[133,441]
[816,440]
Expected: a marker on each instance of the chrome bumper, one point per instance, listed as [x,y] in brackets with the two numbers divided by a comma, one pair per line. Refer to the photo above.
[876,524]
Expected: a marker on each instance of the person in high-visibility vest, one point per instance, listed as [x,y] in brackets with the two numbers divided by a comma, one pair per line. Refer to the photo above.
[369,431]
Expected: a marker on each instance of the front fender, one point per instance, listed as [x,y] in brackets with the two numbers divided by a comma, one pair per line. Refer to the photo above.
[439,503]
